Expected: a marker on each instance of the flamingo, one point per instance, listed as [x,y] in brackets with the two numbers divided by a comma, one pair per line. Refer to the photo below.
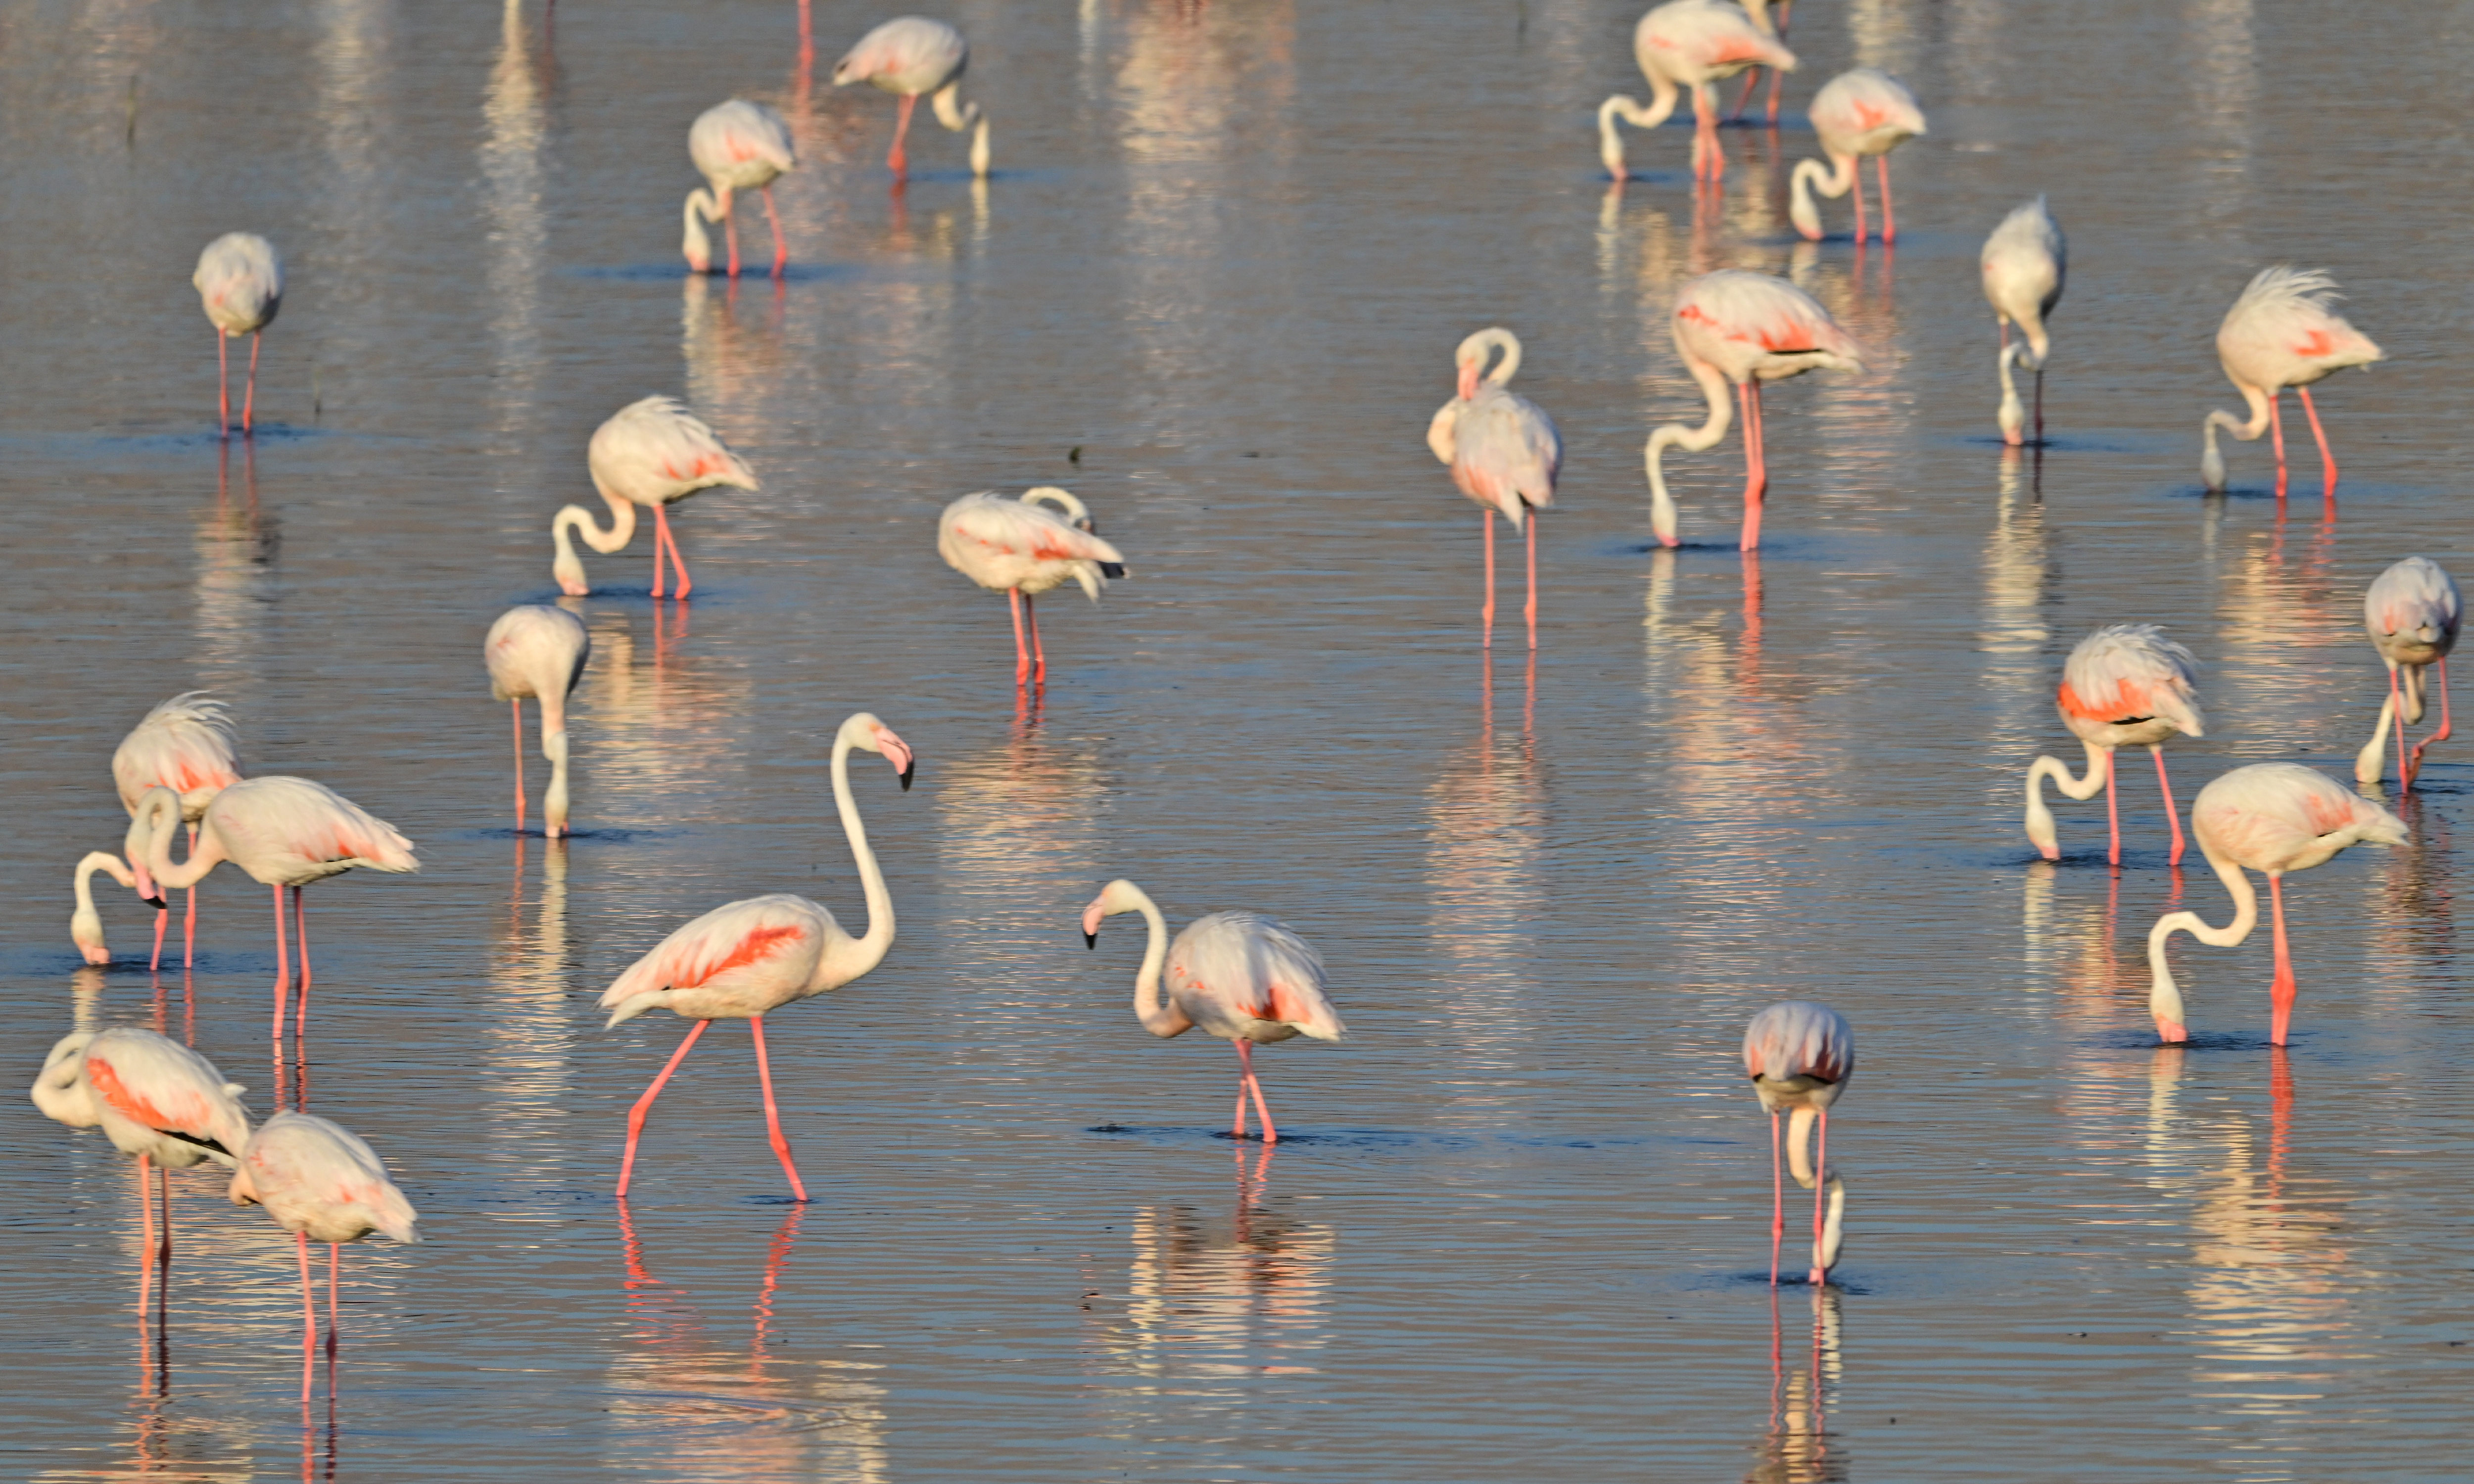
[1865,111]
[737,146]
[1743,328]
[1688,43]
[86,924]
[240,280]
[650,452]
[318,1180]
[2412,610]
[1235,974]
[539,652]
[1760,11]
[186,744]
[2025,260]
[1504,453]
[2281,333]
[2270,817]
[1019,548]
[914,55]
[1800,1056]
[282,832]
[739,962]
[2123,685]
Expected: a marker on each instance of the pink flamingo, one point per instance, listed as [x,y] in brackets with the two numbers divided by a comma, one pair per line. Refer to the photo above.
[914,55]
[1760,11]
[739,962]
[2024,263]
[319,1180]
[1021,549]
[282,832]
[539,652]
[2281,333]
[650,452]
[1800,1056]
[2124,685]
[1694,45]
[1740,328]
[240,280]
[737,146]
[1856,114]
[2412,610]
[184,745]
[1504,453]
[2271,817]
[1235,974]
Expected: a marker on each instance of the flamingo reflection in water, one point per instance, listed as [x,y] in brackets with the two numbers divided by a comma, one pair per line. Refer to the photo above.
[1798,1446]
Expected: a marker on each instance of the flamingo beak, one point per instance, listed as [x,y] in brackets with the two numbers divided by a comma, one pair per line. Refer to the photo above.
[897,753]
[147,891]
[1091,917]
[1468,380]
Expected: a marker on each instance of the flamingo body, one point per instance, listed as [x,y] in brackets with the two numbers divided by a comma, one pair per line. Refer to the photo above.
[2281,333]
[318,1179]
[1503,450]
[1688,44]
[737,146]
[184,745]
[284,831]
[1858,113]
[1021,548]
[1800,1056]
[538,652]
[153,1097]
[2412,612]
[2025,262]
[911,56]
[651,453]
[239,279]
[2123,685]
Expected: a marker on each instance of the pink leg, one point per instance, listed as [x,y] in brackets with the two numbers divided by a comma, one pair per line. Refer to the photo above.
[189,928]
[163,920]
[730,234]
[1889,217]
[1752,81]
[644,1105]
[2280,990]
[300,938]
[1774,89]
[781,245]
[1487,614]
[334,1281]
[282,967]
[1756,476]
[1532,523]
[308,1319]
[2276,433]
[2396,708]
[773,1115]
[145,1236]
[2172,815]
[1020,649]
[163,1293]
[896,161]
[2040,407]
[1038,655]
[2441,735]
[2111,816]
[1246,1059]
[669,537]
[1713,161]
[2327,460]
[1778,1202]
[1237,1130]
[1820,1188]
[660,533]
[223,383]
[1859,172]
[517,707]
[249,399]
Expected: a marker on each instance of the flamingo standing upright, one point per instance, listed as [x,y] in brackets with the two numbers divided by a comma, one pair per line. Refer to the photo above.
[737,146]
[1020,548]
[2024,261]
[1866,111]
[740,961]
[1800,1056]
[2281,333]
[539,651]
[1740,328]
[1760,11]
[912,55]
[240,280]
[1235,974]
[319,1180]
[185,745]
[1503,451]
[2412,612]
[650,452]
[1694,45]
[2123,685]
[2271,817]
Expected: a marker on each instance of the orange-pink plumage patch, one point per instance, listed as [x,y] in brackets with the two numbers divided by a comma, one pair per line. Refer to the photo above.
[761,944]
[132,1104]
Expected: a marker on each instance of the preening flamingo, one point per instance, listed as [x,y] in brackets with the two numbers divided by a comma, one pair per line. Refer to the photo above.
[738,962]
[1504,453]
[1800,1056]
[1235,974]
[539,652]
[2271,817]
[2281,333]
[650,452]
[318,1180]
[913,55]
[1021,549]
[1694,45]
[2024,261]
[2412,612]
[240,280]
[184,745]
[282,832]
[1857,113]
[1760,11]
[2123,685]
[1740,328]
[737,146]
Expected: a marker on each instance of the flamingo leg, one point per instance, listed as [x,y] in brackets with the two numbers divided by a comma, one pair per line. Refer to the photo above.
[1709,159]
[1531,522]
[334,1326]
[145,1238]
[1774,85]
[163,1292]
[2040,405]
[301,939]
[1246,1059]
[2327,460]
[1757,474]
[781,244]
[2111,815]
[896,161]
[282,967]
[1486,613]
[1857,172]
[644,1105]
[1820,1188]
[1237,1129]
[516,709]
[308,1319]
[730,234]
[772,1113]
[189,927]
[223,383]
[2441,735]
[249,399]
[163,920]
[1021,650]
[2276,434]
[2172,815]
[2397,703]
[1777,1200]
[1752,81]
[1038,655]
[1889,217]
[662,529]
[2281,989]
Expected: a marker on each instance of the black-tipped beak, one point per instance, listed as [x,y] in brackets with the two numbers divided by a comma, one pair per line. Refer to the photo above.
[1090,939]
[906,776]
[158,903]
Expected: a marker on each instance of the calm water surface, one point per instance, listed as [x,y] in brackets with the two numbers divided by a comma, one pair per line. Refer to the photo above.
[1517,1231]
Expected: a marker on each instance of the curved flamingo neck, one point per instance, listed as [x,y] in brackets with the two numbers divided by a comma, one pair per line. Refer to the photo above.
[2040,820]
[701,207]
[2164,997]
[1158,1017]
[2212,464]
[1692,440]
[1832,181]
[851,958]
[1799,1159]
[1663,94]
[160,812]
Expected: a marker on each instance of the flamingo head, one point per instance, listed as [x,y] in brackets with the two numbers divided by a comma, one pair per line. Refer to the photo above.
[1118,896]
[870,735]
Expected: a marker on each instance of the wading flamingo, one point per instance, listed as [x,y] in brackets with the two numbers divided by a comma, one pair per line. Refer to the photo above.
[737,146]
[86,924]
[914,55]
[2281,333]
[1021,549]
[319,1181]
[184,745]
[1856,114]
[2024,261]
[282,832]
[240,280]
[2271,817]
[539,652]
[738,962]
[2124,685]
[652,452]
[2412,610]
[1740,328]
[1800,1056]
[1235,974]
[1760,11]
[1694,45]
[1504,454]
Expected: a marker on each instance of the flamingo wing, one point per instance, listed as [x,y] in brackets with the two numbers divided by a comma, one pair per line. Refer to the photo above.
[1257,968]
[779,935]
[2131,672]
[1507,451]
[1800,1039]
[185,745]
[156,1082]
[654,451]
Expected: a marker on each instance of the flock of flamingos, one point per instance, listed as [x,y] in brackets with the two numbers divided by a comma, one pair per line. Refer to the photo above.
[1233,975]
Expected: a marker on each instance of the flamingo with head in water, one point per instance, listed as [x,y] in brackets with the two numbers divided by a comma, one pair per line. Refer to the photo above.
[737,146]
[907,57]
[1694,45]
[1022,549]
[240,280]
[537,651]
[653,452]
[1866,111]
[1503,451]
[2412,612]
[2024,262]
[185,745]
[1800,1056]
[2281,333]
[2124,685]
